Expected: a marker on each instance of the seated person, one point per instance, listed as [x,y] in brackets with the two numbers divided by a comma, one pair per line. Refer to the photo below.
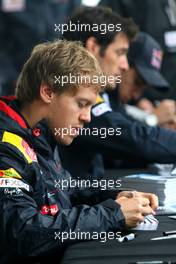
[145,59]
[34,204]
[110,133]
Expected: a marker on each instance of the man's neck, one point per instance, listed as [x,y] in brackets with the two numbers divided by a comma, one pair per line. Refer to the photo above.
[33,113]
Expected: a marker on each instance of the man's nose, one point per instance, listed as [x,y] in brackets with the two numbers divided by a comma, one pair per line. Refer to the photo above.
[86,116]
[124,63]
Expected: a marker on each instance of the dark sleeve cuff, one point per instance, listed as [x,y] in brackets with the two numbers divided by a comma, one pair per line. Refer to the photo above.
[111,204]
[117,213]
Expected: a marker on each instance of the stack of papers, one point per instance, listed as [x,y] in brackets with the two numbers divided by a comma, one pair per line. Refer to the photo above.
[163,186]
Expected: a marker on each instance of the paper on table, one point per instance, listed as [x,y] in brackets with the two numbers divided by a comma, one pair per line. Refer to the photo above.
[149,223]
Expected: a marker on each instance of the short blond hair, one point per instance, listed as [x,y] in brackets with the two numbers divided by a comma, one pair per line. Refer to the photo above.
[50,59]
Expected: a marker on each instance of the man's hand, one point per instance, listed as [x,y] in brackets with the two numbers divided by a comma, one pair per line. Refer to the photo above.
[152,197]
[165,111]
[135,205]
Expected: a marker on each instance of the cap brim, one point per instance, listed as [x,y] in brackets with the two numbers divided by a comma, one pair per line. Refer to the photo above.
[152,77]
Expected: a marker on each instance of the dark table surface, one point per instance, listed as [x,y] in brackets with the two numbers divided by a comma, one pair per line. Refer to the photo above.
[142,248]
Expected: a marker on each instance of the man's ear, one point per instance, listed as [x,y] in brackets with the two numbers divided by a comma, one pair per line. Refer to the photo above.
[46,93]
[93,46]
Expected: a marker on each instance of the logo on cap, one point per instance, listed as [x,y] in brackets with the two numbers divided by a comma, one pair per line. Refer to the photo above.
[156,58]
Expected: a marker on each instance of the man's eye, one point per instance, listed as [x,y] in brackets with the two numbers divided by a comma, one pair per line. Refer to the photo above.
[118,53]
[81,105]
[121,52]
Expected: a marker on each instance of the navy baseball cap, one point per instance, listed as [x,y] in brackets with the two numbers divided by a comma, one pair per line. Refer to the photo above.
[145,55]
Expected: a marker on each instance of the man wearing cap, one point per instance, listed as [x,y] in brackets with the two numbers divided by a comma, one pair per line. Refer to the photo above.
[112,134]
[163,29]
[145,58]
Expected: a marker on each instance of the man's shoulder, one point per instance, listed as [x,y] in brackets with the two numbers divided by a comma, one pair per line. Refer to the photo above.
[13,144]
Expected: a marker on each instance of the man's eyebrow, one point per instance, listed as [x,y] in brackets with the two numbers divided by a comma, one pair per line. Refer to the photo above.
[125,50]
[85,100]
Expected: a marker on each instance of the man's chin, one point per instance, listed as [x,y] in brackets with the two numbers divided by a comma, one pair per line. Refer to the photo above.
[111,86]
[65,140]
[68,142]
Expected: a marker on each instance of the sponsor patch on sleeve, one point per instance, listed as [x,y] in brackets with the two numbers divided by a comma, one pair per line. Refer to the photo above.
[21,145]
[101,109]
[10,173]
[99,99]
[13,183]
[49,209]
